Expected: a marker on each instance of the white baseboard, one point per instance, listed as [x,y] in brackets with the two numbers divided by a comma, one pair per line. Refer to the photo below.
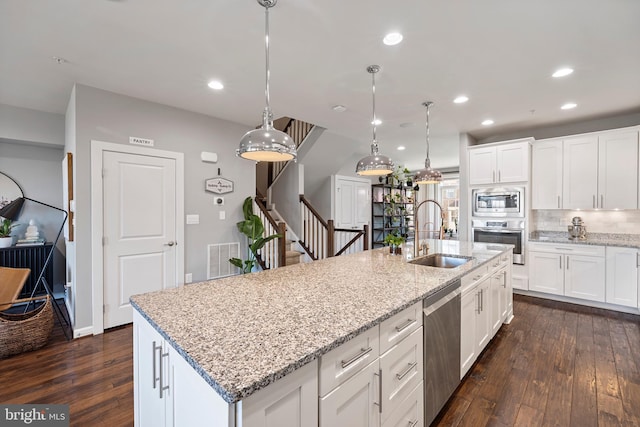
[562,298]
[83,332]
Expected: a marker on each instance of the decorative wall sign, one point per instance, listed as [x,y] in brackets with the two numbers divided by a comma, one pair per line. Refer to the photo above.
[141,141]
[218,185]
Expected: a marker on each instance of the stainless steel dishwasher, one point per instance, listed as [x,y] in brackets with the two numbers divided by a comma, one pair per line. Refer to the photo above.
[441,348]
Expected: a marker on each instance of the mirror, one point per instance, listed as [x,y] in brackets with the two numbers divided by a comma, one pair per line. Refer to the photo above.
[9,190]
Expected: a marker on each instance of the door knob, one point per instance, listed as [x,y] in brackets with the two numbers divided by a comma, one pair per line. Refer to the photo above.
[171,243]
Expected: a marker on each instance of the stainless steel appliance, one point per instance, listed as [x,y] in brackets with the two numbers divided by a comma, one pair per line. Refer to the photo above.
[441,348]
[577,229]
[507,231]
[498,202]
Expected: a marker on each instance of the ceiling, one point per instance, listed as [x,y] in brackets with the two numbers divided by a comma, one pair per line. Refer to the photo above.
[500,53]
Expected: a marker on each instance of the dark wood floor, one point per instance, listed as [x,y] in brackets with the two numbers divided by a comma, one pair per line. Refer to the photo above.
[555,365]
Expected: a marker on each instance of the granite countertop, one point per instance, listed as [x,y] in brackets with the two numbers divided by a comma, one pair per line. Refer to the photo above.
[599,239]
[242,333]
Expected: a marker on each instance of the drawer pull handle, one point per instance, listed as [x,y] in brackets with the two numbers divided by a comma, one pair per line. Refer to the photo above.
[363,352]
[404,373]
[379,403]
[405,325]
[413,423]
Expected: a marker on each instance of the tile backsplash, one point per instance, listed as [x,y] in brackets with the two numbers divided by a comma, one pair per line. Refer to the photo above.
[622,222]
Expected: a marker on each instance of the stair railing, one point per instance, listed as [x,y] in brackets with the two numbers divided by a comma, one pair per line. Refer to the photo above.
[319,236]
[273,253]
[298,131]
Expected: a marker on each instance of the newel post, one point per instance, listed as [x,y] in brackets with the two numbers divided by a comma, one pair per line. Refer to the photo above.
[331,230]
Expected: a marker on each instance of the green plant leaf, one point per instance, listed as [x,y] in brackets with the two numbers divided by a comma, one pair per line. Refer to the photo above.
[236,261]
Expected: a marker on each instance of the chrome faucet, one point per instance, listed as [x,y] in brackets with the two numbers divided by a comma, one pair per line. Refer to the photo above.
[416,244]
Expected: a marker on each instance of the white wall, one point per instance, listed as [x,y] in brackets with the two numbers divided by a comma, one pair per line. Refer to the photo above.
[23,124]
[109,117]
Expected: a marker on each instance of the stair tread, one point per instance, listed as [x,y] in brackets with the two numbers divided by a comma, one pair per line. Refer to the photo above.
[293,253]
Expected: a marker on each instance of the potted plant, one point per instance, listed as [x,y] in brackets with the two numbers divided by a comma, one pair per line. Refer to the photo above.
[6,227]
[253,228]
[394,240]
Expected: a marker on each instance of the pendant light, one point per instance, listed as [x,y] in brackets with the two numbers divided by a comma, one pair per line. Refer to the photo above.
[376,164]
[267,144]
[427,175]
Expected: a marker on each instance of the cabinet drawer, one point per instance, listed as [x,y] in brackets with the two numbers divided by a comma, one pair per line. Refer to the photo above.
[568,249]
[402,369]
[470,279]
[410,412]
[344,361]
[396,328]
[506,258]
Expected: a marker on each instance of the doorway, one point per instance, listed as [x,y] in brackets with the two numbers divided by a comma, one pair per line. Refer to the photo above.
[137,232]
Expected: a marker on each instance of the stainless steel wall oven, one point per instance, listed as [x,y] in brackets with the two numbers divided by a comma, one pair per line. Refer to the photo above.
[506,231]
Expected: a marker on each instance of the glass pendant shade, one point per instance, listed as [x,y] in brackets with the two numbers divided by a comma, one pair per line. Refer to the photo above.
[427,175]
[375,164]
[267,144]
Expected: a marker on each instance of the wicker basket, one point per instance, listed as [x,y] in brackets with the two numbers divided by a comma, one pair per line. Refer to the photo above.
[25,332]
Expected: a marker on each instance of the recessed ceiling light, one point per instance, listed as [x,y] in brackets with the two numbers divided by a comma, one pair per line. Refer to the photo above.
[215,85]
[562,72]
[461,99]
[376,122]
[569,106]
[339,108]
[487,122]
[401,147]
[392,39]
[407,124]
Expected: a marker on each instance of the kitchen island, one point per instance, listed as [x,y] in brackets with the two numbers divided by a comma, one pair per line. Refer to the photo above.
[244,335]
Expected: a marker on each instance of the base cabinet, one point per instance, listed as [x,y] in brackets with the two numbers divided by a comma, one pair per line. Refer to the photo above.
[576,271]
[622,283]
[487,303]
[410,413]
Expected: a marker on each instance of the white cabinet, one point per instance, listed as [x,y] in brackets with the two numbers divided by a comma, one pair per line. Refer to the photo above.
[622,276]
[152,405]
[576,271]
[580,172]
[546,174]
[618,170]
[368,379]
[167,388]
[291,401]
[487,302]
[498,164]
[352,202]
[498,291]
[355,403]
[592,171]
[475,323]
[409,413]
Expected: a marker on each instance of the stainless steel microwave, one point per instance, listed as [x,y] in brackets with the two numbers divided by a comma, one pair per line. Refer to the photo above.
[498,202]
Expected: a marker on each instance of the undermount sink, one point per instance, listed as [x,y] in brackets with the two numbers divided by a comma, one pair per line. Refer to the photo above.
[440,261]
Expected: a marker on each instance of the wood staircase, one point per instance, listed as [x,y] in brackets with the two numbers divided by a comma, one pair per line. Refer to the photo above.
[318,238]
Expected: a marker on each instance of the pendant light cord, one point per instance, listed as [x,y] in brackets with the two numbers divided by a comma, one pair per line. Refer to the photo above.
[373,69]
[268,119]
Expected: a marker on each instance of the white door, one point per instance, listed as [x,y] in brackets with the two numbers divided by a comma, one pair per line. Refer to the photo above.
[622,276]
[546,272]
[584,277]
[139,200]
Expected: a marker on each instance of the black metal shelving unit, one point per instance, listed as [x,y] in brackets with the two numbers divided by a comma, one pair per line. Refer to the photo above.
[391,211]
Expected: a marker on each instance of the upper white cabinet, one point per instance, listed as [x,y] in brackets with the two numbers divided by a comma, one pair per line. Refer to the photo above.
[592,171]
[580,172]
[499,164]
[546,174]
[618,170]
